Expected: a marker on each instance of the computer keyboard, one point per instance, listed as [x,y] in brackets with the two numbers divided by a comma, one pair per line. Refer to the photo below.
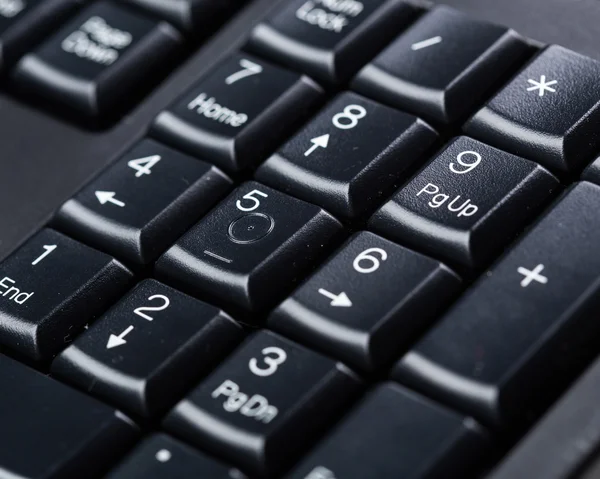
[359,242]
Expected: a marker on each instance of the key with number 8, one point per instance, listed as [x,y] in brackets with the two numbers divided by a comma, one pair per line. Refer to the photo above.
[350,156]
[264,403]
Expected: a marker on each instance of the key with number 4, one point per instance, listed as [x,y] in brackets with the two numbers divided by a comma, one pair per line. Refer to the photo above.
[143,203]
[265,403]
[50,288]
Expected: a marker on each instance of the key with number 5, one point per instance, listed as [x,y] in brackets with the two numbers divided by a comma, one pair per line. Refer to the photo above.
[264,404]
[251,249]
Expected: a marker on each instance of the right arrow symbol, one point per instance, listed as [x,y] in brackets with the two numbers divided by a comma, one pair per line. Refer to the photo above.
[114,340]
[318,142]
[337,300]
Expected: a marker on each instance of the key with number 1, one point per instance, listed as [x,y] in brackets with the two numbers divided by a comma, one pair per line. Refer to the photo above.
[50,288]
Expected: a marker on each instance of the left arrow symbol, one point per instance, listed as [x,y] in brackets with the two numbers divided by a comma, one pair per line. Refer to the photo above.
[114,340]
[108,197]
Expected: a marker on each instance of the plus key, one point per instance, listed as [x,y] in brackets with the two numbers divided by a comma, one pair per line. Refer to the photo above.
[525,328]
[548,113]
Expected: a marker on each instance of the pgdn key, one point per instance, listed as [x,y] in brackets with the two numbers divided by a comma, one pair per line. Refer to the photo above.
[264,404]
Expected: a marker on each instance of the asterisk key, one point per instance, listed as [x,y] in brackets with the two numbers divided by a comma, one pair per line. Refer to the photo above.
[542,85]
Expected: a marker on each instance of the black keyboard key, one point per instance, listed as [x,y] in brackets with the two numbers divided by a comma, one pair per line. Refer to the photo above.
[238,113]
[50,288]
[328,39]
[24,22]
[143,203]
[264,404]
[368,303]
[565,440]
[547,113]
[195,17]
[52,431]
[256,236]
[142,354]
[99,61]
[394,433]
[350,156]
[442,67]
[592,172]
[466,204]
[503,349]
[162,457]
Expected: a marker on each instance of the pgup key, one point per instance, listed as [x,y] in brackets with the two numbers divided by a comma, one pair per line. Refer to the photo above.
[466,204]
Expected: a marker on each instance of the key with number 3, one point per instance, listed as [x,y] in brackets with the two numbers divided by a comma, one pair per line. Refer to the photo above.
[267,401]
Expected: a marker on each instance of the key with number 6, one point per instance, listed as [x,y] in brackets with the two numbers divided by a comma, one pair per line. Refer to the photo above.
[264,404]
[368,302]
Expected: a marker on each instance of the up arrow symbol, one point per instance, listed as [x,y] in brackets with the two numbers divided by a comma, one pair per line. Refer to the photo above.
[318,142]
[115,341]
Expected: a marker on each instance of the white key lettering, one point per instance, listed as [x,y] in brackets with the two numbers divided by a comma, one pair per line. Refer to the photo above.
[97,42]
[255,406]
[7,290]
[209,108]
[457,205]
